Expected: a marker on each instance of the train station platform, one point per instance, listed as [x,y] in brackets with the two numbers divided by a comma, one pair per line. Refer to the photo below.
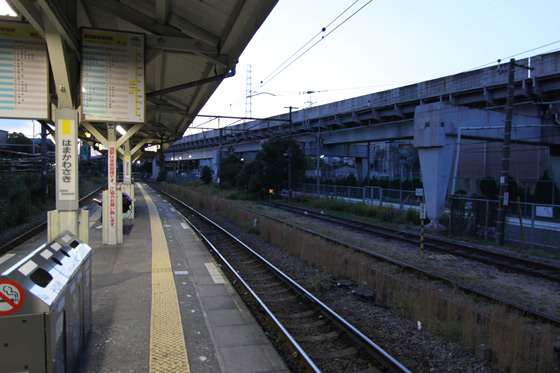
[160,303]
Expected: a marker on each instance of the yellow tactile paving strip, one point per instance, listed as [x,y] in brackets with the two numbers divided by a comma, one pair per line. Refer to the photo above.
[168,352]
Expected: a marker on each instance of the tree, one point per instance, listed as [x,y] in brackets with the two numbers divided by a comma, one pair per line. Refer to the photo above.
[546,191]
[489,188]
[229,169]
[251,177]
[206,174]
[22,143]
[270,168]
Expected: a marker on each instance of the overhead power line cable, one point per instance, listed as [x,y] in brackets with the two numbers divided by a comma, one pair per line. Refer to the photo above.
[280,69]
[310,40]
[402,95]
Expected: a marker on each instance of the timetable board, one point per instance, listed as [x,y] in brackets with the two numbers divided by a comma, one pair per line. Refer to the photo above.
[113,76]
[24,72]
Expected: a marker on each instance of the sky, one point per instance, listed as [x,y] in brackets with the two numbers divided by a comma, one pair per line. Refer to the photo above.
[386,44]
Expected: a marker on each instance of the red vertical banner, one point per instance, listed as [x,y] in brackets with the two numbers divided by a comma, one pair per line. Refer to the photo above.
[112,187]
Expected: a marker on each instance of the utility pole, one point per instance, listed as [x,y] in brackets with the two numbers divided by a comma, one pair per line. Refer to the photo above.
[290,157]
[504,174]
[318,159]
[249,92]
[290,161]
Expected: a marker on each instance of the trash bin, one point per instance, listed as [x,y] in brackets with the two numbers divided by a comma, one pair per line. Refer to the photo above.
[45,307]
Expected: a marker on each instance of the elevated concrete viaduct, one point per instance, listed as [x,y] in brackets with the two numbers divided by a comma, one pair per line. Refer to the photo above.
[432,116]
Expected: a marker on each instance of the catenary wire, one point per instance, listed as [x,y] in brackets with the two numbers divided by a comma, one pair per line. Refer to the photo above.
[310,40]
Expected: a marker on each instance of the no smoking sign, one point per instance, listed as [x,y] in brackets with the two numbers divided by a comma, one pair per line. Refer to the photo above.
[11,297]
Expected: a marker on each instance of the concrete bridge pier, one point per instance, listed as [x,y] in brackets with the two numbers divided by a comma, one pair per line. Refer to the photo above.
[435,150]
[436,165]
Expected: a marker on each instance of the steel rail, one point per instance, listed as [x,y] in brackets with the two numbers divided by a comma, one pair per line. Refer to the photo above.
[507,262]
[525,310]
[387,360]
[528,311]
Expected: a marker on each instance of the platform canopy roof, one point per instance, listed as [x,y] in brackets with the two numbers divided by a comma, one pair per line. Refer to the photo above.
[191,46]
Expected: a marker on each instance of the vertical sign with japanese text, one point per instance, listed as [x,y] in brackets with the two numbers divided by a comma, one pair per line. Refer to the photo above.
[127,169]
[113,76]
[66,159]
[24,72]
[112,183]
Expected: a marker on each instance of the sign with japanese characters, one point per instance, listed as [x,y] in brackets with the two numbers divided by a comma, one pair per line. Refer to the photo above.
[67,160]
[24,72]
[112,188]
[423,213]
[127,169]
[113,76]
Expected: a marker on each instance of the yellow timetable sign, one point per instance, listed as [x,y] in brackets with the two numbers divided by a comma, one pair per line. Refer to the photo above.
[103,38]
[24,72]
[113,76]
[19,31]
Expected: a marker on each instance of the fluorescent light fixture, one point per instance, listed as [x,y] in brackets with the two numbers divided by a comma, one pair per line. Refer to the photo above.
[121,130]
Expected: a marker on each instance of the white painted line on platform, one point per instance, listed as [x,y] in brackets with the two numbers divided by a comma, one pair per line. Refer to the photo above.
[215,273]
[5,257]
[184,225]
[181,272]
[196,238]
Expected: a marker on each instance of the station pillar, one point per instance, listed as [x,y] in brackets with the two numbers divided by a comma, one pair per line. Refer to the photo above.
[67,216]
[128,185]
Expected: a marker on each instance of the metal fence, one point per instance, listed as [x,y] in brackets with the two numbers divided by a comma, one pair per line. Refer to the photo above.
[369,194]
[530,224]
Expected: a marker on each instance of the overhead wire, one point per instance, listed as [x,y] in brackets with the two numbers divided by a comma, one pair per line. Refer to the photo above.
[452,79]
[266,79]
[269,78]
[283,66]
[310,40]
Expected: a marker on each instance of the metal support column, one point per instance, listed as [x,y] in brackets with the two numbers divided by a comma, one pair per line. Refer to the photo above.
[128,186]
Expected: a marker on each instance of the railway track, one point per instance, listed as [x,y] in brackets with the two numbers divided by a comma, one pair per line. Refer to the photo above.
[467,289]
[523,309]
[39,228]
[309,331]
[505,262]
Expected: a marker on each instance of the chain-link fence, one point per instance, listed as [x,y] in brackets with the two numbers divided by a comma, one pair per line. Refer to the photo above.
[370,195]
[533,225]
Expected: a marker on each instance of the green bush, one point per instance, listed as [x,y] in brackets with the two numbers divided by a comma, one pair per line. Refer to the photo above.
[21,197]
[388,215]
[412,216]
